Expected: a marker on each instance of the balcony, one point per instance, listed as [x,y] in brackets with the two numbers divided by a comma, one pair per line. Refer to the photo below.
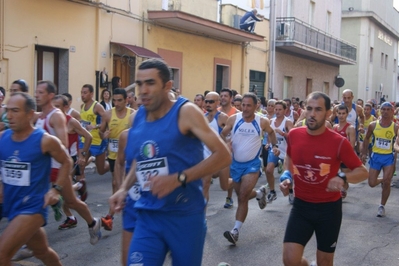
[298,37]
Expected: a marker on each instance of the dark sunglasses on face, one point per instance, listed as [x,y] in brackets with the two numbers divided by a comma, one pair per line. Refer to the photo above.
[209,101]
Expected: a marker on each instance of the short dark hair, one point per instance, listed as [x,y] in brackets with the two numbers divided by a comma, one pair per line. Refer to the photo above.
[206,92]
[283,103]
[30,103]
[50,86]
[63,98]
[238,99]
[234,93]
[160,65]
[68,95]
[317,95]
[288,100]
[22,83]
[228,90]
[3,91]
[343,107]
[368,105]
[89,86]
[202,96]
[120,91]
[252,96]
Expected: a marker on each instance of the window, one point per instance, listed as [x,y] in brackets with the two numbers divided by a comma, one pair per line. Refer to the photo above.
[326,88]
[311,12]
[257,82]
[382,59]
[328,22]
[222,77]
[287,86]
[175,76]
[371,54]
[386,61]
[309,85]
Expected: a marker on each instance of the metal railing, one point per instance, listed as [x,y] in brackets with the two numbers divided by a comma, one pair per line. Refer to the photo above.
[290,29]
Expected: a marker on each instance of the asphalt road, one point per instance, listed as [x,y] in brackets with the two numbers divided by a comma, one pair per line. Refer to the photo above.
[364,239]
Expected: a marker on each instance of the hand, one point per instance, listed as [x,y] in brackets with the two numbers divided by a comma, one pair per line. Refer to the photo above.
[276,151]
[117,201]
[51,197]
[279,131]
[267,146]
[335,184]
[106,134]
[361,130]
[285,187]
[90,127]
[162,186]
[81,160]
[363,158]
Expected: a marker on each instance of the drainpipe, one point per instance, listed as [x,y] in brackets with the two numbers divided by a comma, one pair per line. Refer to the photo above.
[243,51]
[272,48]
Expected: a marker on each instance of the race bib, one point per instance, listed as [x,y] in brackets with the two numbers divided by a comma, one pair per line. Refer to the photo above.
[85,123]
[16,173]
[384,144]
[134,192]
[113,145]
[150,168]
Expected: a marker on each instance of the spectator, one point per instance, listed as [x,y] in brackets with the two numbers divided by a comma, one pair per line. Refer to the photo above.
[248,21]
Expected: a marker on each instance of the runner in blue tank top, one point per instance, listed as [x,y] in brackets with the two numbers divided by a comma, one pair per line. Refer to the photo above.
[25,165]
[168,163]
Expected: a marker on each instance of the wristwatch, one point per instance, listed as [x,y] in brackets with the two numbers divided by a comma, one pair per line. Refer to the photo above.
[182,178]
[342,176]
[58,188]
[275,145]
[84,153]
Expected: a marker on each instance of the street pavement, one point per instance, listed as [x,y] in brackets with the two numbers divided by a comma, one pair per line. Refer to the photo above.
[364,240]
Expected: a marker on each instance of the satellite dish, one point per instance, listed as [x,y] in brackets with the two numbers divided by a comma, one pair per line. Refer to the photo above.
[339,82]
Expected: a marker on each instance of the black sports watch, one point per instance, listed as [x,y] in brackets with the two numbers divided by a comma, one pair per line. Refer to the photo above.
[342,175]
[58,188]
[275,145]
[182,178]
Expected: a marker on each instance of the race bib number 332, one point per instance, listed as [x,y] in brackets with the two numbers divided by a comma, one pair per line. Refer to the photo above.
[16,173]
[150,168]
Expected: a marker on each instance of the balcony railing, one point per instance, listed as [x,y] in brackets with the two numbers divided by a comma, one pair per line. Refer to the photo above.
[294,30]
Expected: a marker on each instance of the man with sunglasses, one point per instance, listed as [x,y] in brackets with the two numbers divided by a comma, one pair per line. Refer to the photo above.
[217,121]
[113,123]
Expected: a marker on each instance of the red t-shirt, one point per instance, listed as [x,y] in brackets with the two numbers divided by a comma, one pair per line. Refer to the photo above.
[315,160]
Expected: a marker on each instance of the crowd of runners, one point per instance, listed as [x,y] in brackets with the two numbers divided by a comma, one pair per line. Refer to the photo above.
[163,152]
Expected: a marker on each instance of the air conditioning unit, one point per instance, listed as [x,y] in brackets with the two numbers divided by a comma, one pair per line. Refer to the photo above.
[285,30]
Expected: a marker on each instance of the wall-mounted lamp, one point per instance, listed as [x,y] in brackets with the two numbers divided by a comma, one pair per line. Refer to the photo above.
[350,9]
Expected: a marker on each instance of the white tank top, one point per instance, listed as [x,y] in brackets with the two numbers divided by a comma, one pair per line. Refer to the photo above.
[70,111]
[352,116]
[215,127]
[246,139]
[281,141]
[44,123]
[291,116]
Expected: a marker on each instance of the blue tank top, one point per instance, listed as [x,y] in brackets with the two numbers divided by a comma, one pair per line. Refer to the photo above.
[161,149]
[26,174]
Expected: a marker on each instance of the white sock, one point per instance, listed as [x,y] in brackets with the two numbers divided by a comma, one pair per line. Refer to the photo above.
[71,217]
[259,194]
[237,225]
[79,185]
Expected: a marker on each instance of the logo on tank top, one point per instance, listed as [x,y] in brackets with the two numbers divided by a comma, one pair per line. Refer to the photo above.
[389,135]
[149,149]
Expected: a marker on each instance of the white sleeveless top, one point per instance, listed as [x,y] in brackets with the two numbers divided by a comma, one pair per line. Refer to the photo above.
[291,116]
[246,139]
[215,127]
[281,141]
[352,116]
[44,123]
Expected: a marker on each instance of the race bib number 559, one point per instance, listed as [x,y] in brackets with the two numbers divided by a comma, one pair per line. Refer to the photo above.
[15,173]
[150,168]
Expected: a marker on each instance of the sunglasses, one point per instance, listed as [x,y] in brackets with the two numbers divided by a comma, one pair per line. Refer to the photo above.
[209,101]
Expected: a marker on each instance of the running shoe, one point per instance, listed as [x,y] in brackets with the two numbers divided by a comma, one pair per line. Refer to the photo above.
[107,222]
[262,201]
[231,236]
[57,208]
[68,224]
[22,253]
[291,198]
[381,211]
[280,166]
[229,203]
[82,191]
[271,196]
[95,232]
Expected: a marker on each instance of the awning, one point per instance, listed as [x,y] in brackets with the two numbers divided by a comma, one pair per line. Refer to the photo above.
[202,27]
[138,51]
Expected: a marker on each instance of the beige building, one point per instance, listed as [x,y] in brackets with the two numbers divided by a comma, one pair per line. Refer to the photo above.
[74,42]
[308,48]
[373,26]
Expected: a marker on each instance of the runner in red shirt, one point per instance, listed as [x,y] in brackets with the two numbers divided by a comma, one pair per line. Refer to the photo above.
[317,205]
